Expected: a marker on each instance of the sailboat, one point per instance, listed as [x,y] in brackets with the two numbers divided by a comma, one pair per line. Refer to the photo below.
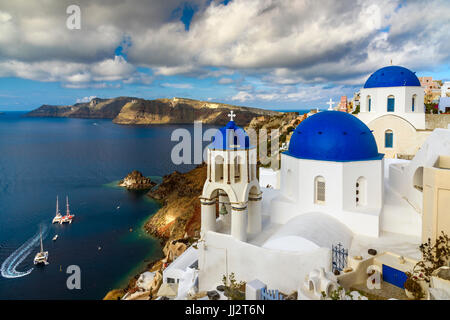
[68,217]
[58,215]
[41,256]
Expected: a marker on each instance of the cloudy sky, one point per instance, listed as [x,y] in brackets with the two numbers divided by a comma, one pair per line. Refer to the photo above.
[278,54]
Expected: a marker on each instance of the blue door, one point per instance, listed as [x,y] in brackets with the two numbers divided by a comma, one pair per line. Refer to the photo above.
[394,276]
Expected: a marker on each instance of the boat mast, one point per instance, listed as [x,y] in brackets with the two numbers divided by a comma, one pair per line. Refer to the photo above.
[57,206]
[40,232]
[67,206]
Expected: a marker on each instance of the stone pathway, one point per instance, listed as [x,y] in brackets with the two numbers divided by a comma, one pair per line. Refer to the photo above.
[387,291]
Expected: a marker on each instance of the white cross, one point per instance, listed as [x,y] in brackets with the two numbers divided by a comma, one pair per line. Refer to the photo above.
[330,103]
[231,115]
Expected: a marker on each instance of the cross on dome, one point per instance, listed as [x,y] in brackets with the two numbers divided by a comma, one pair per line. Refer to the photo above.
[330,103]
[232,115]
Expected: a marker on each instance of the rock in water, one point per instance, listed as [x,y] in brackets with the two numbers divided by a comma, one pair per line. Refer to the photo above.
[136,181]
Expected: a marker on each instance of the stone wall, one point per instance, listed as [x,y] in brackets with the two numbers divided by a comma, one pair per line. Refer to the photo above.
[433,121]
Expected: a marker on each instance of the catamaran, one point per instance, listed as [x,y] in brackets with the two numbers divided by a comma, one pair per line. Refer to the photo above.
[42,256]
[68,217]
[58,215]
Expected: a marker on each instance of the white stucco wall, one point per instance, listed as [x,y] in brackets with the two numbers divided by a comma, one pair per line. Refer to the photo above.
[403,104]
[280,270]
[401,175]
[268,176]
[298,192]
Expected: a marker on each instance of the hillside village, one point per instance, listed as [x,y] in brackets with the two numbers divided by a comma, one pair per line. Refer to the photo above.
[382,232]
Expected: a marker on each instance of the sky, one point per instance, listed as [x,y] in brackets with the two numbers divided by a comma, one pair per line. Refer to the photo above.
[273,54]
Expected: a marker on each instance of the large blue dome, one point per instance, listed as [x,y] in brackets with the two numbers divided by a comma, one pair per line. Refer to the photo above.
[230,137]
[333,136]
[392,76]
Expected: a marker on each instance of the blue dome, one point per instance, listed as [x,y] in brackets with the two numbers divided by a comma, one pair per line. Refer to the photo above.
[230,137]
[333,136]
[392,76]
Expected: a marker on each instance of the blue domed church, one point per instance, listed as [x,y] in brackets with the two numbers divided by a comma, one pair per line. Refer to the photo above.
[332,166]
[392,106]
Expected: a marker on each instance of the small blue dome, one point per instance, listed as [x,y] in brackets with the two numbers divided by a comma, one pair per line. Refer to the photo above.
[333,136]
[230,137]
[392,76]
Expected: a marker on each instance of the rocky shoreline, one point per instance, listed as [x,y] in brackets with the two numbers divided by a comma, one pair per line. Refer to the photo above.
[178,195]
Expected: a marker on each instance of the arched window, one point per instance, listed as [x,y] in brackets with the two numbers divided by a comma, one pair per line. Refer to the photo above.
[319,190]
[361,193]
[237,169]
[413,106]
[391,104]
[388,139]
[218,168]
[369,103]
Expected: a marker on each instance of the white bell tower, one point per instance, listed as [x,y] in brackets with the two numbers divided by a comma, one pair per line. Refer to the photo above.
[231,185]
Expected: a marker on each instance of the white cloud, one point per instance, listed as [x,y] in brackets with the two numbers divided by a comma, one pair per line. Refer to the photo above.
[225,81]
[86,99]
[243,96]
[177,85]
[281,42]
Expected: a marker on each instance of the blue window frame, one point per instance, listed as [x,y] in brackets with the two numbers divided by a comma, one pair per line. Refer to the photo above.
[370,103]
[413,103]
[391,104]
[388,139]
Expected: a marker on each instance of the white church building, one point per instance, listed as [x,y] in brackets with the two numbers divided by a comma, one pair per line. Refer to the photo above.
[392,106]
[335,188]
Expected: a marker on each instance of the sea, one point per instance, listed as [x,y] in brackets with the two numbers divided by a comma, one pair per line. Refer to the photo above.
[82,159]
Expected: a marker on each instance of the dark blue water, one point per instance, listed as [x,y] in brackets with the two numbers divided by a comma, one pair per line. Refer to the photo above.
[44,157]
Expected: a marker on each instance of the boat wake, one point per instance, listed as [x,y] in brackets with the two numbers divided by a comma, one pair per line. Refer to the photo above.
[8,267]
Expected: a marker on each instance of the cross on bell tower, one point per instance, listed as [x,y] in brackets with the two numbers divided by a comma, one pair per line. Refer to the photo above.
[231,115]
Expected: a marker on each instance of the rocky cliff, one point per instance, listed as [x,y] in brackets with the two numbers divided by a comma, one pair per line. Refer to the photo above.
[97,109]
[180,214]
[136,181]
[129,110]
